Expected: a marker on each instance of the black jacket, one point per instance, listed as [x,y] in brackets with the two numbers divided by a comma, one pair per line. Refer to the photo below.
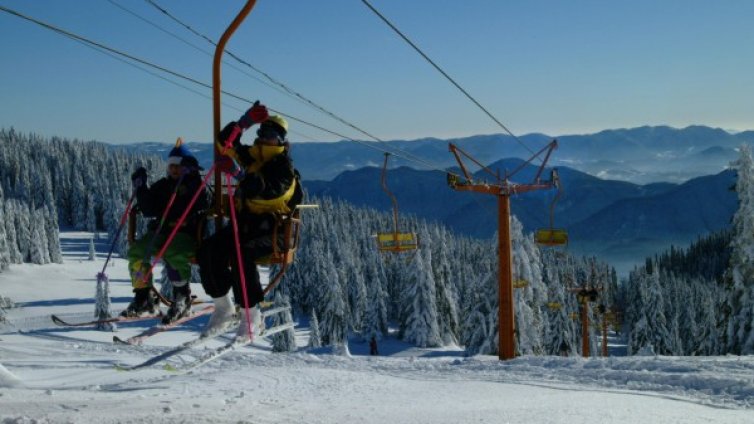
[153,201]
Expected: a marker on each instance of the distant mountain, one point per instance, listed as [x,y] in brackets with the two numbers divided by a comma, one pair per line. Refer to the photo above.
[627,193]
[639,155]
[618,221]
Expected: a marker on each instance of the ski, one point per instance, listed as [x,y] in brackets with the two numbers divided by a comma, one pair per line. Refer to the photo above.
[201,340]
[223,350]
[159,328]
[170,353]
[272,311]
[61,322]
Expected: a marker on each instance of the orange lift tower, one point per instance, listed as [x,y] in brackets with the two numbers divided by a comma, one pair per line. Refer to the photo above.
[503,188]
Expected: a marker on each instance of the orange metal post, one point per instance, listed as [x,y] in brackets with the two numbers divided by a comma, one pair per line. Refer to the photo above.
[506,318]
[216,90]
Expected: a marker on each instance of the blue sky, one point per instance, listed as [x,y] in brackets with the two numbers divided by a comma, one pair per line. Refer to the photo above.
[555,67]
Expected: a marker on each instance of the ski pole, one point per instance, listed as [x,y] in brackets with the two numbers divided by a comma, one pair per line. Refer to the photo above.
[241,273]
[120,229]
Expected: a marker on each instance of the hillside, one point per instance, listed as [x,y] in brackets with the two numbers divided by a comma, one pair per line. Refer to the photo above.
[55,374]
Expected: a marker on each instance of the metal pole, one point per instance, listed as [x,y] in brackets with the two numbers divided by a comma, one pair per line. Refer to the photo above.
[506,321]
[585,329]
[216,90]
[604,333]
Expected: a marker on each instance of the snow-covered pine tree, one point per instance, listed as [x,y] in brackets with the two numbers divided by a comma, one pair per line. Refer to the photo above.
[530,319]
[740,273]
[4,251]
[102,307]
[558,339]
[447,300]
[92,252]
[23,230]
[53,237]
[10,230]
[315,340]
[420,307]
[284,341]
[334,324]
[375,323]
[652,327]
[37,242]
[355,286]
[708,337]
[479,333]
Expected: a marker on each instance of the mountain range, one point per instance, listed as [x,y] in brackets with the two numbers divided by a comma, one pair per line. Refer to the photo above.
[626,193]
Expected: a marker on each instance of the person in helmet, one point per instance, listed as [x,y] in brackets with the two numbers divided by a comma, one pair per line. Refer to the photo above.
[268,184]
[178,186]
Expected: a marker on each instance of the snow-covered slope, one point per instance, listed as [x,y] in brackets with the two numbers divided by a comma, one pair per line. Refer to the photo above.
[56,374]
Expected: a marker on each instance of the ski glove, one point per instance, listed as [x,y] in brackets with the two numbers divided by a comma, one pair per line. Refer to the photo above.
[255,115]
[229,166]
[139,177]
[230,135]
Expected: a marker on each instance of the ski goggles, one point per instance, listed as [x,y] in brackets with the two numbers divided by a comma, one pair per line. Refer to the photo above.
[267,133]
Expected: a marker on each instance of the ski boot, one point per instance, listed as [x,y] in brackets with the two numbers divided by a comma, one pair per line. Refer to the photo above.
[221,318]
[142,304]
[181,306]
[257,322]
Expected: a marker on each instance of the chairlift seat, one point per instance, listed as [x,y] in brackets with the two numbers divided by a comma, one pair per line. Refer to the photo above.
[554,306]
[551,237]
[285,237]
[397,242]
[519,283]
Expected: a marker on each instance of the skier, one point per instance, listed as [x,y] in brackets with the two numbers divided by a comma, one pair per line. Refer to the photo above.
[179,185]
[269,185]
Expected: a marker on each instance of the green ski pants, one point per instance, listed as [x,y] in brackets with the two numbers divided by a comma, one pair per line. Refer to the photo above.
[178,256]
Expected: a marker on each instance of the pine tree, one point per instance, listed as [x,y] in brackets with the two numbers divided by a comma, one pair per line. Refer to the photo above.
[740,328]
[284,341]
[334,325]
[530,298]
[10,230]
[559,335]
[447,302]
[92,252]
[315,340]
[375,322]
[102,309]
[4,250]
[420,307]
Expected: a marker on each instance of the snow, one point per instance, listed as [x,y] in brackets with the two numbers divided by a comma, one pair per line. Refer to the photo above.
[56,374]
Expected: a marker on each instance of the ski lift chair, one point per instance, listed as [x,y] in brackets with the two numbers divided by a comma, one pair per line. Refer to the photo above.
[285,238]
[395,241]
[284,241]
[552,237]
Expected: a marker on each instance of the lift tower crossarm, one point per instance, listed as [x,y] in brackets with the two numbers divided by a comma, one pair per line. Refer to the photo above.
[503,189]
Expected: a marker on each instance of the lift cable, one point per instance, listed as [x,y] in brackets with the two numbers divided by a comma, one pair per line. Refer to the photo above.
[283,86]
[116,54]
[111,51]
[452,81]
[194,46]
[293,93]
